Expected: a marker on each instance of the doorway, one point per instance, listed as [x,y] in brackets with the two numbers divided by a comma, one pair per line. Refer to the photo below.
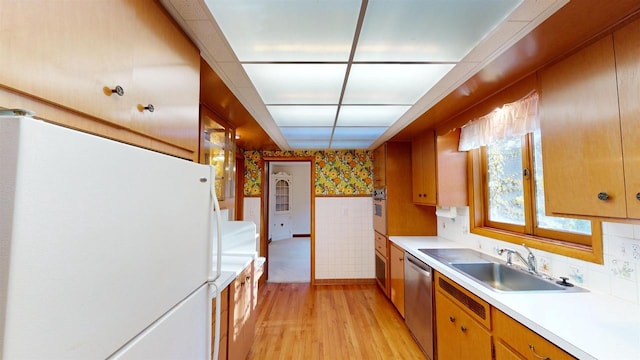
[288,208]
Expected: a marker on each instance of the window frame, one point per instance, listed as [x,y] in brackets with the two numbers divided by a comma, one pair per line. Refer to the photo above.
[588,248]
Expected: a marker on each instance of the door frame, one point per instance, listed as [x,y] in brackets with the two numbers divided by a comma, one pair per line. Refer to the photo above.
[264,208]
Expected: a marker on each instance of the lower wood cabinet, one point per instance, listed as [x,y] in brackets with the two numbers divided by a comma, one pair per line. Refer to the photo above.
[396,274]
[241,317]
[520,342]
[238,303]
[462,323]
[469,328]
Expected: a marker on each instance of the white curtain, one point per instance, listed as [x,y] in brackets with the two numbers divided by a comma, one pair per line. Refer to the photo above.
[514,119]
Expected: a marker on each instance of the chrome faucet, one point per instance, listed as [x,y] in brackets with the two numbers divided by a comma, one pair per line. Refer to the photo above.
[530,261]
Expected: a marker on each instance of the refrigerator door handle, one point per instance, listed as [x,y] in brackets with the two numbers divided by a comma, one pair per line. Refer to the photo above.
[215,212]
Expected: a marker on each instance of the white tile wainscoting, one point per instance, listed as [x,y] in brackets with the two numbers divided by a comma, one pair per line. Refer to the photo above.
[617,277]
[344,241]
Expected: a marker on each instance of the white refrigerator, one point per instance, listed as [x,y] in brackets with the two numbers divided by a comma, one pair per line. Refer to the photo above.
[105,248]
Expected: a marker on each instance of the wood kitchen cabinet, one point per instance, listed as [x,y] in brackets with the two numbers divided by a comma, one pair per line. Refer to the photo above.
[66,57]
[241,315]
[396,275]
[515,341]
[379,167]
[463,322]
[423,166]
[590,135]
[224,324]
[404,218]
[439,170]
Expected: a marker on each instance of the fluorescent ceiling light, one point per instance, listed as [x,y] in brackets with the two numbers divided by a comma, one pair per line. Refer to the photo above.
[358,133]
[432,31]
[285,115]
[307,133]
[284,30]
[374,115]
[297,83]
[392,84]
[309,144]
[350,144]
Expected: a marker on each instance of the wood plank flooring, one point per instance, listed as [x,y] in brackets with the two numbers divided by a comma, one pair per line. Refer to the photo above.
[300,321]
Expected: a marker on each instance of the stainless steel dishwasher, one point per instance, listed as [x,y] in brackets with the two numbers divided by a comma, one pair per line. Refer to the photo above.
[418,302]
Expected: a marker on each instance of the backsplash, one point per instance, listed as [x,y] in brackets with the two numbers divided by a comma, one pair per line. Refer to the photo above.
[618,276]
[341,172]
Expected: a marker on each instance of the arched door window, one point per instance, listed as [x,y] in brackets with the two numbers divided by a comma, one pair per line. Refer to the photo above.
[283,192]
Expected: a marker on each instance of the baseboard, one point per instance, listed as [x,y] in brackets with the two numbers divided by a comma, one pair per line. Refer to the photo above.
[301,235]
[345,282]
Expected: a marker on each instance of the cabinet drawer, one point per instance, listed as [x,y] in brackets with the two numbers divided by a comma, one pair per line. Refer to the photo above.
[381,245]
[521,339]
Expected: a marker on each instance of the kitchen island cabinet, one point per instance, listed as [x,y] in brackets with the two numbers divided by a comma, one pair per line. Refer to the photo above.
[590,137]
[68,71]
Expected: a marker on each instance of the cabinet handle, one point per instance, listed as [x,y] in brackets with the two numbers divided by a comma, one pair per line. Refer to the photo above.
[463,329]
[248,277]
[118,90]
[603,196]
[149,108]
[533,351]
[638,196]
[452,319]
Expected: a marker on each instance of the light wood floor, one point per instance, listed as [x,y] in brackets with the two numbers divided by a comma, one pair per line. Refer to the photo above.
[300,321]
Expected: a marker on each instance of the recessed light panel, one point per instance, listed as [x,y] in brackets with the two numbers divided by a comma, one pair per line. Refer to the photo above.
[306,133]
[284,30]
[308,144]
[391,84]
[357,133]
[350,144]
[373,115]
[285,115]
[419,30]
[297,83]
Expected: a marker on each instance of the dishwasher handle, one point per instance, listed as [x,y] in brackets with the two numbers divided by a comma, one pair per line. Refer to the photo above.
[418,264]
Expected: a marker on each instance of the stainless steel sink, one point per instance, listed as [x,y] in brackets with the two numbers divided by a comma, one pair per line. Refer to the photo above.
[494,273]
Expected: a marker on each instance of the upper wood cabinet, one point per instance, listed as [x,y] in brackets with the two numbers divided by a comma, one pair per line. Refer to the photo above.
[589,118]
[71,55]
[439,170]
[423,166]
[379,167]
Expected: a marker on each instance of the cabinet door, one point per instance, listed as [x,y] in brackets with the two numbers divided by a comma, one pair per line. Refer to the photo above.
[521,339]
[240,321]
[70,53]
[379,166]
[166,75]
[451,170]
[581,140]
[396,273]
[459,336]
[423,166]
[627,49]
[504,353]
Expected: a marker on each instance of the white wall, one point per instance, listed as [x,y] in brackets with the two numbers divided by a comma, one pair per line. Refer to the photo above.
[300,196]
[617,277]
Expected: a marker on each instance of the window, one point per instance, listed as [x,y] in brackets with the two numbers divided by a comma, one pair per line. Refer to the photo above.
[508,199]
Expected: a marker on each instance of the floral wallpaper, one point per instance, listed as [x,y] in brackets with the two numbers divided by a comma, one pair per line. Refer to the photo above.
[342,172]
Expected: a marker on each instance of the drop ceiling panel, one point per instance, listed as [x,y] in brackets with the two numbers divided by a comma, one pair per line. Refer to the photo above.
[307,133]
[285,115]
[391,84]
[434,31]
[297,83]
[376,115]
[357,133]
[285,30]
[309,144]
[350,144]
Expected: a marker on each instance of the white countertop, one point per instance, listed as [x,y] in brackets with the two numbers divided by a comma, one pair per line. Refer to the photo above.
[588,325]
[233,265]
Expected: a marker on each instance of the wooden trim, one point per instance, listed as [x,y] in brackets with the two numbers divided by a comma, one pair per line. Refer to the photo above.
[345,282]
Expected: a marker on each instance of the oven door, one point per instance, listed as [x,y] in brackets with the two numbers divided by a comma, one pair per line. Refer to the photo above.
[380,216]
[382,273]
